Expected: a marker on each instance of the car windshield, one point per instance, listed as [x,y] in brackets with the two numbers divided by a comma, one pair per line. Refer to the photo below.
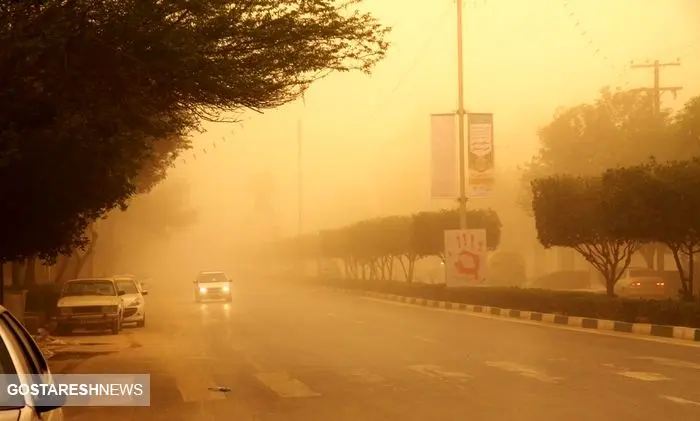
[129,287]
[88,287]
[211,277]
[637,273]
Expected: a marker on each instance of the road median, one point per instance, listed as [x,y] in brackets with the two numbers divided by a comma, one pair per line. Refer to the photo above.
[659,318]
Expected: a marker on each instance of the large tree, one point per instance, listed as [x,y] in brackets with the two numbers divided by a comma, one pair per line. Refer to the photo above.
[669,193]
[619,128]
[578,212]
[89,89]
[429,228]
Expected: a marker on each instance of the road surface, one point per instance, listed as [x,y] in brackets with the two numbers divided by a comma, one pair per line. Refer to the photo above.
[296,353]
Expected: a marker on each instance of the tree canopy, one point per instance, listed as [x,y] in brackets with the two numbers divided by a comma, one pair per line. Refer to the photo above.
[669,195]
[96,98]
[618,129]
[606,218]
[370,248]
[575,212]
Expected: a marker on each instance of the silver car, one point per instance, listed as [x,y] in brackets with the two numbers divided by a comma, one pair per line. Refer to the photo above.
[134,301]
[21,362]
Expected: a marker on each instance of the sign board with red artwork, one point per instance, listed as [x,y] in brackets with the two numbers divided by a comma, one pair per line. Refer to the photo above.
[465,257]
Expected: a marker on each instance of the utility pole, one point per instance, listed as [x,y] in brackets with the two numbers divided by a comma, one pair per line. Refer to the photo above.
[460,113]
[300,191]
[657,89]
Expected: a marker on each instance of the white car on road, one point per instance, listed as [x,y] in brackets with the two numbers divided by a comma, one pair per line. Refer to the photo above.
[90,304]
[212,286]
[134,301]
[21,362]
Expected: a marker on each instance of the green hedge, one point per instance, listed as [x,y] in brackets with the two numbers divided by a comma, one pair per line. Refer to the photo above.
[578,304]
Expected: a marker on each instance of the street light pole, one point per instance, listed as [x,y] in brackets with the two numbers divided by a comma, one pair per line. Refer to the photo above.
[300,191]
[461,112]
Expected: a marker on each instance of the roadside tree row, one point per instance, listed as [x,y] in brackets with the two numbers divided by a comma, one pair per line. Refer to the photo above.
[371,249]
[608,217]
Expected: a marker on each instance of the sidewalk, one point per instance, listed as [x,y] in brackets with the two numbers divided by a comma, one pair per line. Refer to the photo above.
[60,351]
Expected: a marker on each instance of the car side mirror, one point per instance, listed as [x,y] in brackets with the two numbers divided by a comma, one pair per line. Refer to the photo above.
[194,282]
[121,293]
[144,292]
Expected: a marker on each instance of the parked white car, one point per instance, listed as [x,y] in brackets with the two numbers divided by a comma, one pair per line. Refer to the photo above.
[90,304]
[21,359]
[134,301]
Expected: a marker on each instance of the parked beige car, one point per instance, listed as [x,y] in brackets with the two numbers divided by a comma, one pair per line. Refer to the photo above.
[90,304]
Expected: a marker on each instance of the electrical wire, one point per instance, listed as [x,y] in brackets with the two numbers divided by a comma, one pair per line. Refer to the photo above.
[421,52]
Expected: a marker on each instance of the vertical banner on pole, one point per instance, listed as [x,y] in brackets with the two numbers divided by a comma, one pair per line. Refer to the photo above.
[481,154]
[465,257]
[443,156]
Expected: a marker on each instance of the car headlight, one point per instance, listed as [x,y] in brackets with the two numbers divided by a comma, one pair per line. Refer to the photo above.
[227,289]
[203,290]
[65,311]
[110,309]
[135,303]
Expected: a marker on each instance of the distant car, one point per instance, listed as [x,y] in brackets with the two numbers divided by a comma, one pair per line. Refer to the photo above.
[90,304]
[21,362]
[212,286]
[641,283]
[134,301]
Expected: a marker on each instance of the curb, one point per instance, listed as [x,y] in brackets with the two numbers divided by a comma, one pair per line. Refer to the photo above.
[643,329]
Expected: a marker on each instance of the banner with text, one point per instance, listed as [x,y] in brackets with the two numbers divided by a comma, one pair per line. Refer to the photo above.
[443,157]
[480,154]
[465,257]
[57,390]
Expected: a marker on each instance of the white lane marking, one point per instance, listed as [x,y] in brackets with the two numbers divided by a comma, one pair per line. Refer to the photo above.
[438,372]
[671,362]
[285,386]
[682,401]
[367,377]
[359,322]
[641,375]
[194,386]
[424,339]
[524,371]
[622,335]
[332,315]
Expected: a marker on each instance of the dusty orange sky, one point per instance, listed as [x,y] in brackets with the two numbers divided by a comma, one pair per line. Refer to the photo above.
[366,137]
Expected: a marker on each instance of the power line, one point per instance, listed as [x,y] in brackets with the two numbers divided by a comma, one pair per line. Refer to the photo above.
[419,56]
[657,89]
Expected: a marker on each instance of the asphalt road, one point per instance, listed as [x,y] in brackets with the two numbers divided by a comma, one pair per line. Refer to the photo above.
[295,353]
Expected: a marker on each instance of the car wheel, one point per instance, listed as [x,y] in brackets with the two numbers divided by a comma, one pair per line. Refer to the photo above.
[141,323]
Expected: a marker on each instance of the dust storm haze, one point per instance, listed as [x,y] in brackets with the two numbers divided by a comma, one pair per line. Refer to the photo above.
[365,139]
